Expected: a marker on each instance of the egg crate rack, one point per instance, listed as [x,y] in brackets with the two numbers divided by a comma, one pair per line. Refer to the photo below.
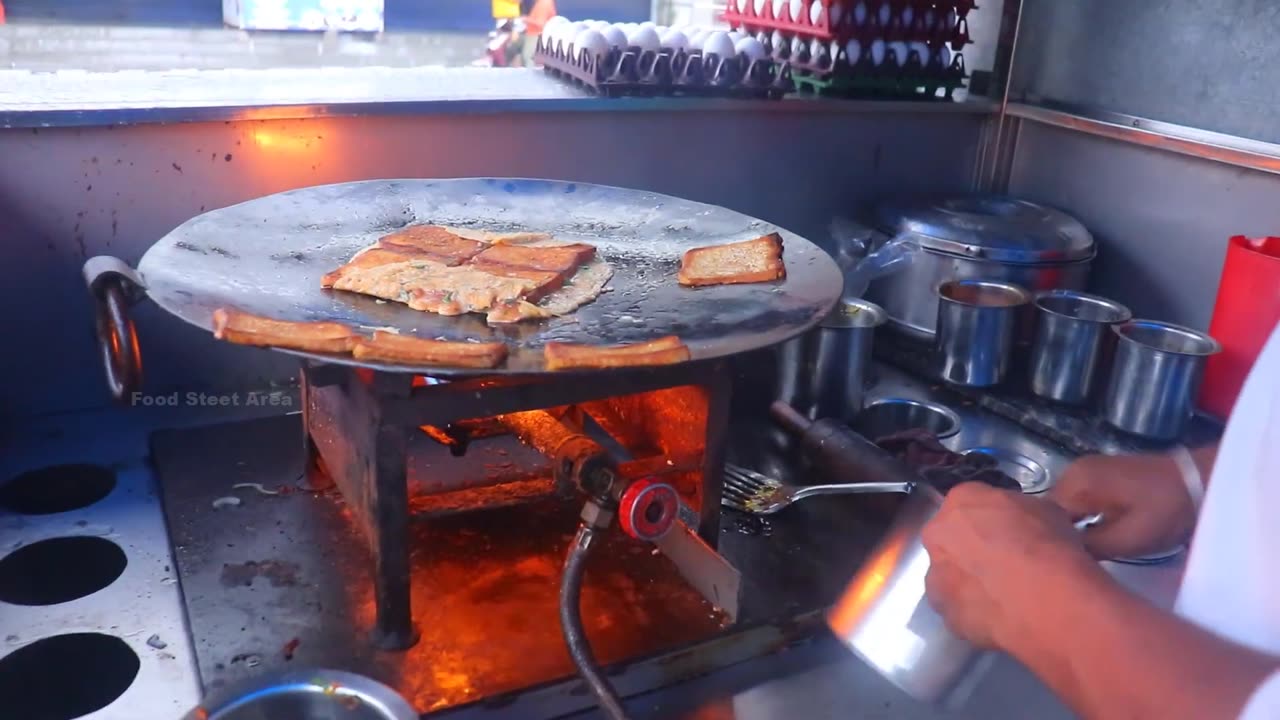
[636,72]
[916,79]
[908,20]
[919,52]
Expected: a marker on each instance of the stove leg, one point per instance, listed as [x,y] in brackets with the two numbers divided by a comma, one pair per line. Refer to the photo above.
[719,392]
[389,539]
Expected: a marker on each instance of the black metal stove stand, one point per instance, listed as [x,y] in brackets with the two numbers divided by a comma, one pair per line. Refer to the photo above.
[358,423]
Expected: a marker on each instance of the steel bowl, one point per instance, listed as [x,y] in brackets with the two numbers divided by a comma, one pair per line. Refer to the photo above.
[306,694]
[895,415]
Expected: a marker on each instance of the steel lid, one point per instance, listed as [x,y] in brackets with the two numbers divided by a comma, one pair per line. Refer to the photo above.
[989,227]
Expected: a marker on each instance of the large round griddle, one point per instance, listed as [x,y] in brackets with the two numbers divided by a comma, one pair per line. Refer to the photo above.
[267,256]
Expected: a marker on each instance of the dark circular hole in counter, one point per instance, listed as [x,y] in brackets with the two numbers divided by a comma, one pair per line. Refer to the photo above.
[56,489]
[58,570]
[66,676]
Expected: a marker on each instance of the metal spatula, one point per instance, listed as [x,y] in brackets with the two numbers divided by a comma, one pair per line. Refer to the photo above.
[749,491]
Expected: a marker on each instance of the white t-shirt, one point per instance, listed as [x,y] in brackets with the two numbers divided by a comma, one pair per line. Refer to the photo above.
[1232,580]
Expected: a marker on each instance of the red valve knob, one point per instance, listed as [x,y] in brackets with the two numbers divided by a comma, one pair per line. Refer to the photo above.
[648,509]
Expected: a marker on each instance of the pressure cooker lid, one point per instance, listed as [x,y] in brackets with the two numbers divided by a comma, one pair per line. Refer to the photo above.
[988,227]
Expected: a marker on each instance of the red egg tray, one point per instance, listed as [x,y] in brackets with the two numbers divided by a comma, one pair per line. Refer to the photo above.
[636,72]
[741,14]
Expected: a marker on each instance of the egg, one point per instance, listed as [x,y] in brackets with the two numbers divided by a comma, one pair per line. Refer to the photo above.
[943,57]
[565,36]
[596,24]
[836,11]
[900,52]
[886,14]
[817,49]
[674,40]
[835,51]
[615,36]
[952,19]
[554,22]
[645,38]
[815,12]
[853,51]
[649,24]
[796,8]
[779,43]
[877,52]
[591,42]
[718,43]
[908,14]
[921,49]
[798,48]
[758,6]
[777,7]
[697,38]
[860,13]
[750,49]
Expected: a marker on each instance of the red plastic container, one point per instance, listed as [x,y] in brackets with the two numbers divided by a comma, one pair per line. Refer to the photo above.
[1247,310]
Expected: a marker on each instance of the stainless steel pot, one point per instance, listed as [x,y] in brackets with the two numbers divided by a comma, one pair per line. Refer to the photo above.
[977,238]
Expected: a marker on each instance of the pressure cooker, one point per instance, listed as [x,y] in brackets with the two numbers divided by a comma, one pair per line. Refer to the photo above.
[978,237]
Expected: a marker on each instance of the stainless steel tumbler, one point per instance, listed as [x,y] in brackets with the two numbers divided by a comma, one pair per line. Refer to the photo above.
[1155,377]
[1073,335]
[977,324]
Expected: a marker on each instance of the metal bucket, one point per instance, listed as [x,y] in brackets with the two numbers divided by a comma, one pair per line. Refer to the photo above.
[1073,335]
[1155,377]
[977,325]
[885,618]
[824,372]
[309,694]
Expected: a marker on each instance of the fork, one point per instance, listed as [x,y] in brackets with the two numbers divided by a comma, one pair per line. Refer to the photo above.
[749,491]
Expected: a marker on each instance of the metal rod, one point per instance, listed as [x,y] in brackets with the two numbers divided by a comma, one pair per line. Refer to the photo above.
[1194,142]
[996,150]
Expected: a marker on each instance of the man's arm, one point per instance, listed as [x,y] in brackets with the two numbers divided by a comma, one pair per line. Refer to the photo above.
[1008,571]
[1109,654]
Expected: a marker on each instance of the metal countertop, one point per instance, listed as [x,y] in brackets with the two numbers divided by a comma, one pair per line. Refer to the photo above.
[79,98]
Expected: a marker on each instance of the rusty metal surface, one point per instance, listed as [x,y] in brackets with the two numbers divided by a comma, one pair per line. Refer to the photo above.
[266,256]
[480,580]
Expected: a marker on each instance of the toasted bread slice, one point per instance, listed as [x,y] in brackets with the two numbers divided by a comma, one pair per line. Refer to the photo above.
[663,351]
[749,261]
[438,243]
[247,329]
[555,258]
[368,259]
[389,347]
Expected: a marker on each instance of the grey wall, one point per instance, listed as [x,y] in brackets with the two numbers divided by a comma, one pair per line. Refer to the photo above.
[1209,64]
[68,194]
[1161,220]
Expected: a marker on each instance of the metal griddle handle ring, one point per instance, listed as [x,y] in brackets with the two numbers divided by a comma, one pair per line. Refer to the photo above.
[114,286]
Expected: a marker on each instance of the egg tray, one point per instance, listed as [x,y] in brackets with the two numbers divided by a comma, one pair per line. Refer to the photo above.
[803,26]
[862,78]
[633,72]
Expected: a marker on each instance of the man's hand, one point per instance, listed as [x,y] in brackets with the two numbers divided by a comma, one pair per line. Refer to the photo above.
[1145,504]
[993,556]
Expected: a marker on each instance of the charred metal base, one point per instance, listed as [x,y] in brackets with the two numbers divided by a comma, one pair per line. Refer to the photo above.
[284,580]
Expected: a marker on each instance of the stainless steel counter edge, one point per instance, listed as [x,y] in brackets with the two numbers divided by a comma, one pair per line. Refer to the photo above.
[1204,144]
[74,98]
